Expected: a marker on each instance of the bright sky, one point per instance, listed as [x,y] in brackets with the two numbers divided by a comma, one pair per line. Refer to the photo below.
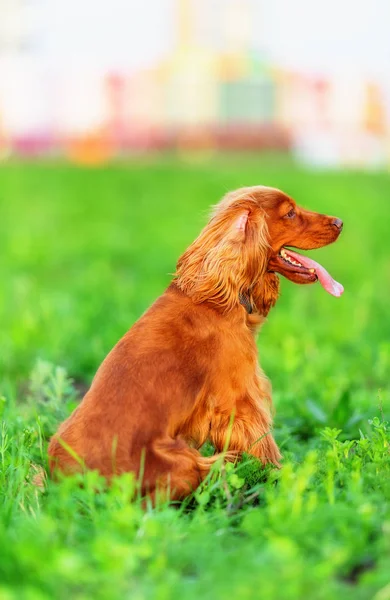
[109,33]
[324,35]
[330,35]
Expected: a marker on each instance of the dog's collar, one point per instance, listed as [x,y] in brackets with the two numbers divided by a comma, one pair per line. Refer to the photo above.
[246,303]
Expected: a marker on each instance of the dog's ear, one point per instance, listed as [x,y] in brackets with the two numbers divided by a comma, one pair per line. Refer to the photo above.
[241,221]
[226,259]
[234,229]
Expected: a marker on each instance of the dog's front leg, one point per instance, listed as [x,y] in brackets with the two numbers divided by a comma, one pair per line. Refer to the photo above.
[247,425]
[239,434]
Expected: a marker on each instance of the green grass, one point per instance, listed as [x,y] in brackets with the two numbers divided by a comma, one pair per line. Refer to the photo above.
[83,253]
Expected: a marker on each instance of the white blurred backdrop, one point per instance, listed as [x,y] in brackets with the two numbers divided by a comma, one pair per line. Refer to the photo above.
[95,79]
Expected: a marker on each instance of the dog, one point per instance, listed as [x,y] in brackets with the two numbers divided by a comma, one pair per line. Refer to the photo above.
[187,372]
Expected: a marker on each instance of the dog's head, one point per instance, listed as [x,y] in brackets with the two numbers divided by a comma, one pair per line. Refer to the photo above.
[247,239]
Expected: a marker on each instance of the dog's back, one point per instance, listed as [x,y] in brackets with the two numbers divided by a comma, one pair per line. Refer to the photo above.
[158,387]
[187,371]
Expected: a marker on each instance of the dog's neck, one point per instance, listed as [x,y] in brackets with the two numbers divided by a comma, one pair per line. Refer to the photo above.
[262,296]
[245,301]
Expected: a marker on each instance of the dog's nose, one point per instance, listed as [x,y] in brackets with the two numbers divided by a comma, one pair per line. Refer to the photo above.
[338,223]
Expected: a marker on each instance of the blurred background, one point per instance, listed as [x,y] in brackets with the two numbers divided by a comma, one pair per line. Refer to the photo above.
[122,121]
[96,80]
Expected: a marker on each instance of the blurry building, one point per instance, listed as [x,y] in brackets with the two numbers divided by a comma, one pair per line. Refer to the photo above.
[214,87]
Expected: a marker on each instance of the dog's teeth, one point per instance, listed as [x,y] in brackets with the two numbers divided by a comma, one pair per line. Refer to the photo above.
[288,259]
[312,270]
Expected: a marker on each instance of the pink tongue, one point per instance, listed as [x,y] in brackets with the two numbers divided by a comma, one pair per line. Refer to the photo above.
[327,282]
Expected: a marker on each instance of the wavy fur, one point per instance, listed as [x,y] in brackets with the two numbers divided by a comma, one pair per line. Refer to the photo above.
[188,371]
[224,261]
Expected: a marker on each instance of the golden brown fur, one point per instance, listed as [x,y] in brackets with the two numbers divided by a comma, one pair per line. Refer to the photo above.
[187,371]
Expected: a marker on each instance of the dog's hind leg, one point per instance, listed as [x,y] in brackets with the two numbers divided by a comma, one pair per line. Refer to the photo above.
[173,470]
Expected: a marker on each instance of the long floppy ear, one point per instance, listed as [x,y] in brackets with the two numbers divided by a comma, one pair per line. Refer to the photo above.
[227,258]
[241,221]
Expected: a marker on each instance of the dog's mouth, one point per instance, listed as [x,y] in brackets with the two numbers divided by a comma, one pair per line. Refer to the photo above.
[302,269]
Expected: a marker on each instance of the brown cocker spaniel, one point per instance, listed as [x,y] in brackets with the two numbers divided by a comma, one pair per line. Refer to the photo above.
[188,371]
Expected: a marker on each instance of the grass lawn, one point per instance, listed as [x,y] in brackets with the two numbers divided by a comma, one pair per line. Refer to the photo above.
[83,253]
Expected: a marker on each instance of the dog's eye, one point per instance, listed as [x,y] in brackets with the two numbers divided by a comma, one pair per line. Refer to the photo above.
[290,214]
